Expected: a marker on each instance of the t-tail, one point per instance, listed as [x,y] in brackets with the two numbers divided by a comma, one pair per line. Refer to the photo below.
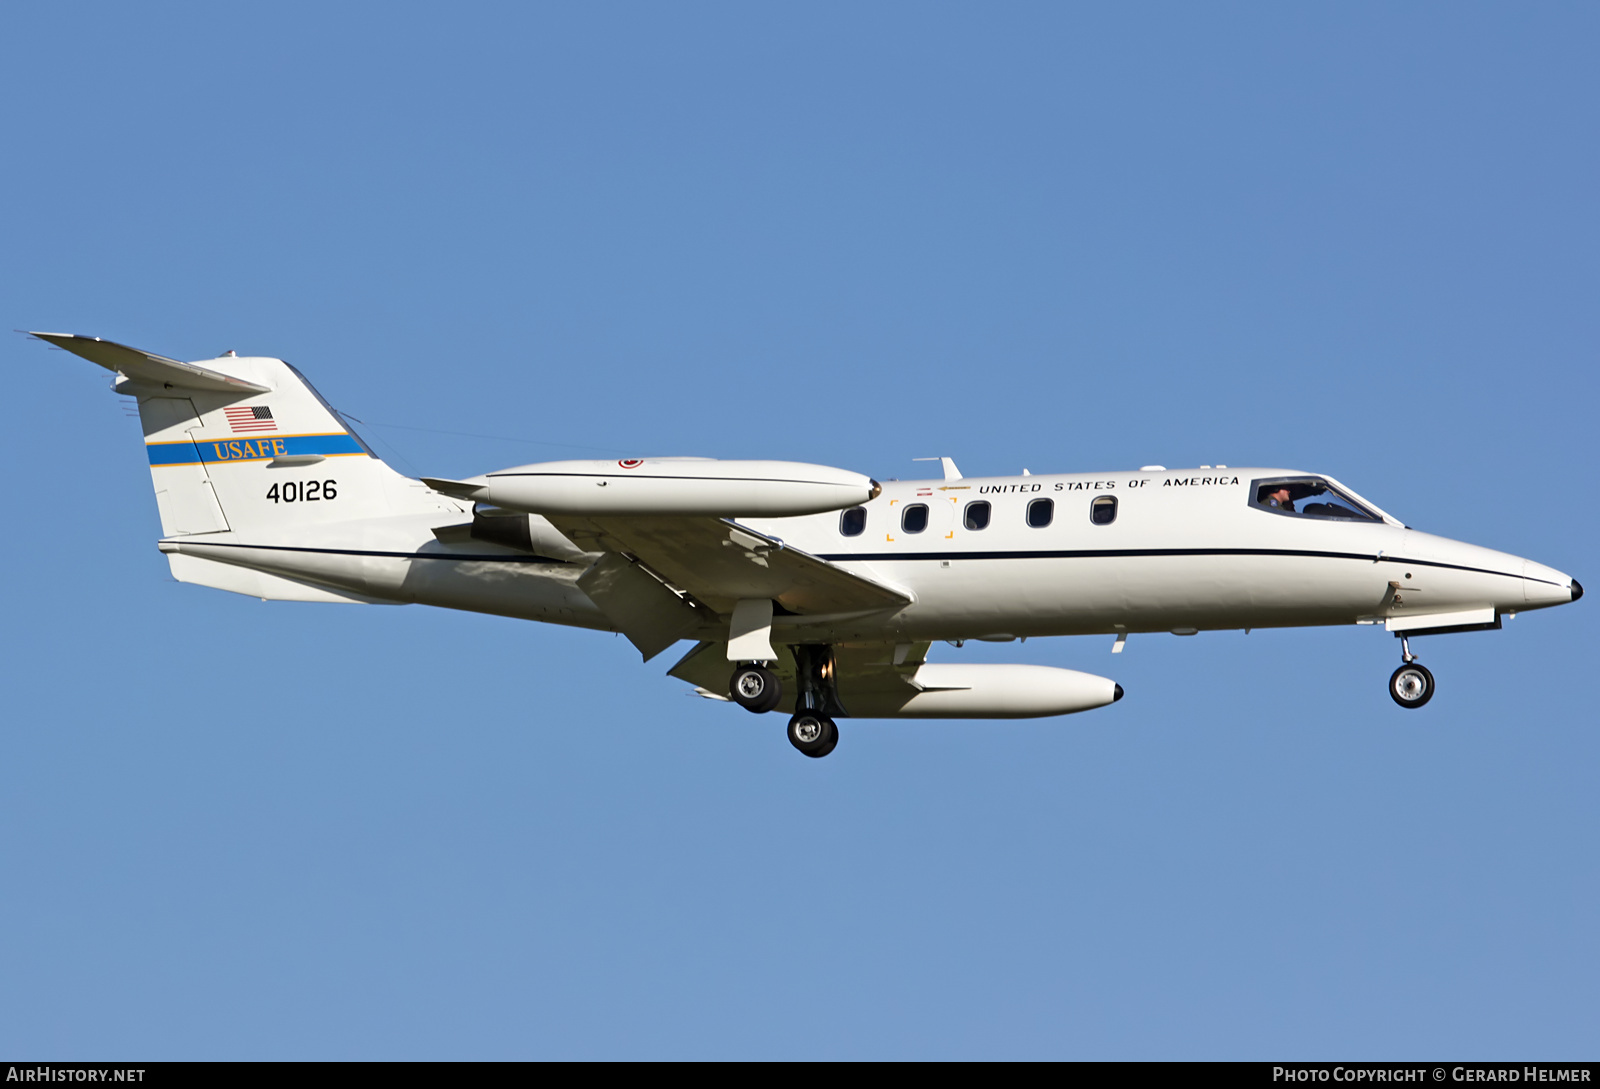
[244,446]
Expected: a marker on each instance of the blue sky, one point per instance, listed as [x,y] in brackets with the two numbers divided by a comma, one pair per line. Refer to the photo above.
[1354,239]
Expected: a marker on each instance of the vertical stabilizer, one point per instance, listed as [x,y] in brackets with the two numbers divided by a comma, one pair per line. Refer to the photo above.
[246,445]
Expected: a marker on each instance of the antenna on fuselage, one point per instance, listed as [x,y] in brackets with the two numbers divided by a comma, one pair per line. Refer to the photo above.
[949,464]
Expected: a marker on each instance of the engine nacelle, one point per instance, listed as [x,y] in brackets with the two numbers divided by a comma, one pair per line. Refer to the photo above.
[669,486]
[956,690]
[526,532]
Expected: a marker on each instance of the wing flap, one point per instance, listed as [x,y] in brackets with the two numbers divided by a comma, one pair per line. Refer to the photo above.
[720,562]
[140,366]
[650,615]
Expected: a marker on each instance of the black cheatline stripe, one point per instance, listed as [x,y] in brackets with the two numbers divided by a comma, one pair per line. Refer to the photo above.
[1097,553]
[373,552]
[1113,553]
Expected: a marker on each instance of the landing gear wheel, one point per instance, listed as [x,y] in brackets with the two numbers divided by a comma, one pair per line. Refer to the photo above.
[833,741]
[1411,685]
[813,734]
[755,688]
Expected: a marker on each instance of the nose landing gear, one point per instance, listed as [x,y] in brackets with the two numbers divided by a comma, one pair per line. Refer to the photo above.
[1411,685]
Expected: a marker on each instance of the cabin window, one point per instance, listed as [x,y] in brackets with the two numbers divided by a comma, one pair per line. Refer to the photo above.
[977,515]
[915,518]
[1309,497]
[1040,512]
[1103,511]
[853,522]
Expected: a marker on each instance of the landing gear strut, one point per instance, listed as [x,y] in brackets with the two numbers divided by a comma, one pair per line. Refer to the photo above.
[1411,685]
[755,688]
[811,730]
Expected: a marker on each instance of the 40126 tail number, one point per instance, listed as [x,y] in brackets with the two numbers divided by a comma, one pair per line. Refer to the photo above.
[303,491]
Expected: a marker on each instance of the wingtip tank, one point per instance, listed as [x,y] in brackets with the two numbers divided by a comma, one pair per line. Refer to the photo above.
[969,690]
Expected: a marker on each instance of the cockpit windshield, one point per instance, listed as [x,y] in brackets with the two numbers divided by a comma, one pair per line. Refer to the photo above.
[1309,497]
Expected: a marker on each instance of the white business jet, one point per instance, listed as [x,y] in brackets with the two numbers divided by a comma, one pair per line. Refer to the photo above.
[808,589]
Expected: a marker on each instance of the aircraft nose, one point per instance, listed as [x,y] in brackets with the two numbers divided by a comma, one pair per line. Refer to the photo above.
[1545,586]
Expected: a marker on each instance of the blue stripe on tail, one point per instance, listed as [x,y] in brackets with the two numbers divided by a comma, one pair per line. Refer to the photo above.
[256,449]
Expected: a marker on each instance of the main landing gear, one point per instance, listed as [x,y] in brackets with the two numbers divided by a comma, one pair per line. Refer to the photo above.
[811,730]
[755,687]
[813,734]
[1411,685]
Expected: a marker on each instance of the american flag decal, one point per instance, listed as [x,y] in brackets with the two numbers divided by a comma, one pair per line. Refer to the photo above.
[258,418]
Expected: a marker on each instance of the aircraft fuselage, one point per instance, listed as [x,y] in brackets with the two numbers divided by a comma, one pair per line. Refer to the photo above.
[1186,551]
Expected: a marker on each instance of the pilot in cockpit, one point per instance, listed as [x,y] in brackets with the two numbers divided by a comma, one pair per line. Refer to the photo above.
[1278,499]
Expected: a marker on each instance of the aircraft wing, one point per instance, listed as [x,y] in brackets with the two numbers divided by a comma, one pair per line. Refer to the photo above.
[719,562]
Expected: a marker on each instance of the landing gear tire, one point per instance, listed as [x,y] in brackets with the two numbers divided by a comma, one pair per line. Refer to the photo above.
[833,741]
[755,688]
[813,734]
[1411,685]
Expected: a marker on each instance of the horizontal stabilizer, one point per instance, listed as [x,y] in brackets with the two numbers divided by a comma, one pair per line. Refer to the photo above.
[157,370]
